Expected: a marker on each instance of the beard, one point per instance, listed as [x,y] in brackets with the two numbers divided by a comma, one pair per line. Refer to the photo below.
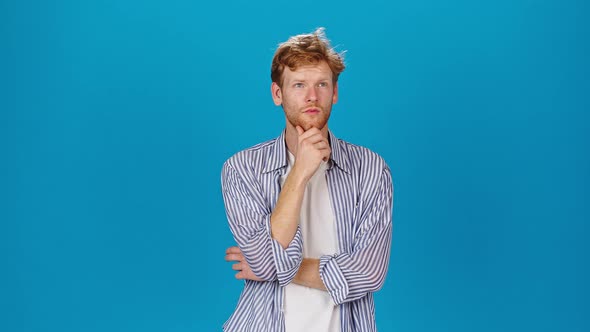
[305,121]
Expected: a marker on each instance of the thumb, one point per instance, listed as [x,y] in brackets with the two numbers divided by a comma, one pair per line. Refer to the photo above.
[300,130]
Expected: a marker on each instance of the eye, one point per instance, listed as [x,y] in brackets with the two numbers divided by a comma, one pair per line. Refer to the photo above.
[323,84]
[298,85]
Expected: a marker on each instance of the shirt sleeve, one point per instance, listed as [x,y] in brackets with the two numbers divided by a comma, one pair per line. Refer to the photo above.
[350,276]
[249,222]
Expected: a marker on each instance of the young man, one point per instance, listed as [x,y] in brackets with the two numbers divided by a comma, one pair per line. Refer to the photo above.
[311,213]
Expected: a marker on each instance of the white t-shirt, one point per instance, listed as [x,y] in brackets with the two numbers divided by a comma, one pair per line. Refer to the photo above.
[309,309]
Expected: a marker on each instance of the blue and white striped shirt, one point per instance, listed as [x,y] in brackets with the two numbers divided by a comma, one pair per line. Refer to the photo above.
[361,192]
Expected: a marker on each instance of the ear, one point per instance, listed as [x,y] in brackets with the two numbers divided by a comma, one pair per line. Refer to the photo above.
[277,95]
[335,95]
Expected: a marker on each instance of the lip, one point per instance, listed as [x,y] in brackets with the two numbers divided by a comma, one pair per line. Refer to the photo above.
[312,110]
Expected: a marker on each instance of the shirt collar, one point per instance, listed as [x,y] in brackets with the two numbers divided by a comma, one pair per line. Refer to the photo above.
[278,154]
[339,155]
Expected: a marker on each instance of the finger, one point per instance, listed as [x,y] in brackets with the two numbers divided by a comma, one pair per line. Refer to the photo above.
[312,139]
[234,257]
[300,130]
[310,132]
[321,145]
[233,250]
[237,267]
[240,275]
[326,154]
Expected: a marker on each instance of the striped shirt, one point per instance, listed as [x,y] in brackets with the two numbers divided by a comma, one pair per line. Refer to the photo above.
[361,191]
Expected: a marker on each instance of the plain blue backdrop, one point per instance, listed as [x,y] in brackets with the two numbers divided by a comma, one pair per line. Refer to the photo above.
[116,117]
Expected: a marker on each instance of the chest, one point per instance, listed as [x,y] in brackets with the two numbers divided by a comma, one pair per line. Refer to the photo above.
[337,197]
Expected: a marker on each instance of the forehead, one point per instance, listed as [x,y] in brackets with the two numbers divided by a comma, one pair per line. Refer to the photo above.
[319,71]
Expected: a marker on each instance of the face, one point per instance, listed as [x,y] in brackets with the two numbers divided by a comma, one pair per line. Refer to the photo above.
[307,96]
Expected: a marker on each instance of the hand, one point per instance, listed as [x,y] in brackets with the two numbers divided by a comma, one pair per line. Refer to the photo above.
[234,254]
[312,148]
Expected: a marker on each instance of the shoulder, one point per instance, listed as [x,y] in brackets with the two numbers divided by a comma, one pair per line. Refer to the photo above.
[368,171]
[250,159]
[361,158]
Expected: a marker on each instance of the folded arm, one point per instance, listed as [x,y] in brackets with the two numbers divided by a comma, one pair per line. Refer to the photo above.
[271,242]
[249,221]
[349,276]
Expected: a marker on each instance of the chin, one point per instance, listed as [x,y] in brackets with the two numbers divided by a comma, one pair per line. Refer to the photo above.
[307,125]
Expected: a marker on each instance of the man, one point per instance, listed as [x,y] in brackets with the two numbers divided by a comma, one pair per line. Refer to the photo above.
[311,213]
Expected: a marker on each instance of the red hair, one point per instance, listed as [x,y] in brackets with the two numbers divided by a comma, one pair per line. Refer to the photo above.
[303,50]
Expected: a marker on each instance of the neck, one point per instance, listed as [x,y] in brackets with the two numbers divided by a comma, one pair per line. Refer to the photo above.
[292,137]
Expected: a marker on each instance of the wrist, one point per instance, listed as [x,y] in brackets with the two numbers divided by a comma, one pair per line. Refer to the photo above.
[298,178]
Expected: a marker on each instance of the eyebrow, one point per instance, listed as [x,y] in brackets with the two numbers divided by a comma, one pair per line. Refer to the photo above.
[297,80]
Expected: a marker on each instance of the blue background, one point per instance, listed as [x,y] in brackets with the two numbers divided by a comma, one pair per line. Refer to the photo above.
[116,116]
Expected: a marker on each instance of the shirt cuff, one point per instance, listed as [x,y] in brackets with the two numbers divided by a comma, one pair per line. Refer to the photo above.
[333,278]
[287,260]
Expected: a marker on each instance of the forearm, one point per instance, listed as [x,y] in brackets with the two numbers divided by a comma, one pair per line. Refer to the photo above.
[285,217]
[249,222]
[350,276]
[309,274]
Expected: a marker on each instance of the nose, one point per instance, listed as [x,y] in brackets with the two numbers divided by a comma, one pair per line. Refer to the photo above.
[312,95]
